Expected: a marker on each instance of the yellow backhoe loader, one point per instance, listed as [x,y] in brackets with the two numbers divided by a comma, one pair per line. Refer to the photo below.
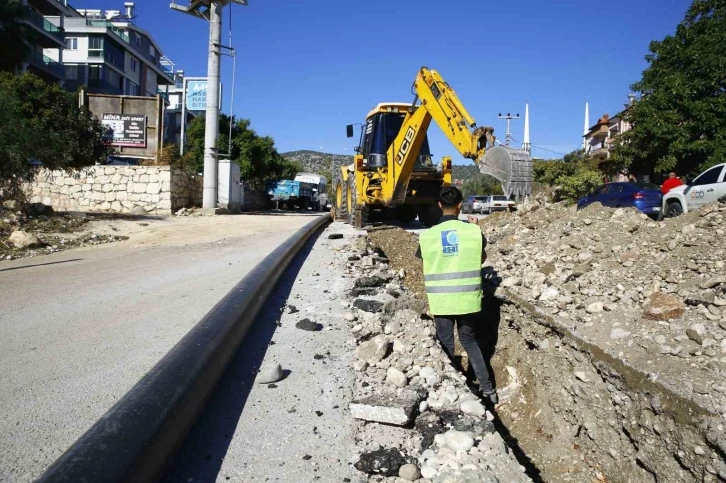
[393,176]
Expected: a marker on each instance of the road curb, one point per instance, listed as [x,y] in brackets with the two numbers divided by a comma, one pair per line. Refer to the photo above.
[135,439]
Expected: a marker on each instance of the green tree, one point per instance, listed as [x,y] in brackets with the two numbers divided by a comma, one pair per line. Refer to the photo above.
[13,35]
[42,123]
[679,123]
[481,184]
[257,156]
[572,177]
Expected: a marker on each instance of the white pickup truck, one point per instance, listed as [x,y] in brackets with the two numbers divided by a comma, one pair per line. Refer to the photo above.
[707,188]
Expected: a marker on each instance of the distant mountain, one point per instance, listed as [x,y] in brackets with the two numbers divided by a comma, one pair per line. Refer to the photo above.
[317,162]
[464,171]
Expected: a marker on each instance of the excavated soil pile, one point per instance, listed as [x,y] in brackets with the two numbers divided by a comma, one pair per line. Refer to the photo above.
[400,247]
[611,356]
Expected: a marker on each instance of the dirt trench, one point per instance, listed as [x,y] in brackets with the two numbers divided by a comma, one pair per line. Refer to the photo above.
[572,412]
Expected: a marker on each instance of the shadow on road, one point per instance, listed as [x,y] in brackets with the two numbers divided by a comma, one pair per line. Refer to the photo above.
[39,264]
[200,457]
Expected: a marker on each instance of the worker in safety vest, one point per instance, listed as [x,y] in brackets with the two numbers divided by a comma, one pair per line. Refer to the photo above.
[452,254]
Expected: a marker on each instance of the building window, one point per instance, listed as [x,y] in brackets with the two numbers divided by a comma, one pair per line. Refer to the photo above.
[71,72]
[152,51]
[95,46]
[94,72]
[134,64]
[131,88]
[113,78]
[72,43]
[137,39]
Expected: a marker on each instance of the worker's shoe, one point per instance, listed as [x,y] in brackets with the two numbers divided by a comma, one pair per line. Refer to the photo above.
[490,397]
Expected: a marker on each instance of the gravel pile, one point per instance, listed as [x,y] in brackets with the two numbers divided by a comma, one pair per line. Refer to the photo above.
[643,290]
[418,419]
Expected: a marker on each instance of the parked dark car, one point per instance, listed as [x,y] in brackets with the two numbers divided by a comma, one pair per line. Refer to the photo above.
[646,197]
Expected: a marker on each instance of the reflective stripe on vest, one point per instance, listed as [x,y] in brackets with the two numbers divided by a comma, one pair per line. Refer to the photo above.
[451,253]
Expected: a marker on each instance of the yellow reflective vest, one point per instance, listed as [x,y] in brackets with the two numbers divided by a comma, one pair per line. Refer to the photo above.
[451,253]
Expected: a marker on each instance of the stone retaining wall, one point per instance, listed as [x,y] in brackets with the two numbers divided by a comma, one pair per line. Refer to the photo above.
[157,189]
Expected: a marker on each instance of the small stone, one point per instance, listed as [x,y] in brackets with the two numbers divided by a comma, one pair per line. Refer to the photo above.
[409,472]
[699,450]
[511,282]
[428,472]
[396,377]
[423,406]
[587,221]
[349,316]
[473,408]
[584,256]
[595,308]
[139,211]
[714,310]
[360,366]
[696,332]
[582,376]
[713,282]
[291,309]
[550,293]
[335,236]
[270,373]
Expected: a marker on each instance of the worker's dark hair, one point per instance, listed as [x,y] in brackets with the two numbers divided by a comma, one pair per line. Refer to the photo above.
[450,196]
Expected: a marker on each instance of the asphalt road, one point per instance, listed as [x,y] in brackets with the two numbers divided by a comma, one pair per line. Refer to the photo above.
[79,328]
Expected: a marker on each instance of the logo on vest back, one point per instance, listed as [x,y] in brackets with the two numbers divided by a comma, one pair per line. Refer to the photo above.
[450,243]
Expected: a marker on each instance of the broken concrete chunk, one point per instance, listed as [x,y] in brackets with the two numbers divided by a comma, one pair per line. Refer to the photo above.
[374,350]
[366,305]
[383,461]
[388,408]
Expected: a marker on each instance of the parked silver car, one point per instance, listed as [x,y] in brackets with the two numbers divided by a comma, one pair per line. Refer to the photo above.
[473,204]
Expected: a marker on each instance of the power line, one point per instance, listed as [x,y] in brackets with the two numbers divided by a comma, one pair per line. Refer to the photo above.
[543,149]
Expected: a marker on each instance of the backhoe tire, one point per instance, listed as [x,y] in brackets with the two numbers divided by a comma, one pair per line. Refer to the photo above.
[357,214]
[340,209]
[406,214]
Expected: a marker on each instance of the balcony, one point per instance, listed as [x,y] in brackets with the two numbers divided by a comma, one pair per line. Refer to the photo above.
[108,26]
[100,86]
[46,65]
[52,35]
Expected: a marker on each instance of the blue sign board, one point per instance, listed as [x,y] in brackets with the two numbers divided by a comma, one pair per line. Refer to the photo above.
[197,95]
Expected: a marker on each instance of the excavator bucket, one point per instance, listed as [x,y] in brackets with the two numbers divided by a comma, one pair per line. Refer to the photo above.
[512,167]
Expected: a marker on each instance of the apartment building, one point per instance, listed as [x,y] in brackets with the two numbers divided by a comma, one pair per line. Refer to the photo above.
[107,52]
[46,19]
[601,137]
[174,96]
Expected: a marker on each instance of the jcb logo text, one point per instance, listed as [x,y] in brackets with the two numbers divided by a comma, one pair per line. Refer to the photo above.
[405,145]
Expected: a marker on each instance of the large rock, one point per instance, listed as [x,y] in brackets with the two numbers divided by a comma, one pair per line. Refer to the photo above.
[396,377]
[387,407]
[662,306]
[374,350]
[473,408]
[456,440]
[22,239]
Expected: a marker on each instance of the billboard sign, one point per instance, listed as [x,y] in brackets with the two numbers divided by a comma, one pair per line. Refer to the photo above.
[196,95]
[124,129]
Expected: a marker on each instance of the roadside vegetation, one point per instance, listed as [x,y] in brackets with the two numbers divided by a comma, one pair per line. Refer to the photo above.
[256,155]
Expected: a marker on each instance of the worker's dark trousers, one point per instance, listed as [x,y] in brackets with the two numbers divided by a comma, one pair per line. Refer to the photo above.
[467,336]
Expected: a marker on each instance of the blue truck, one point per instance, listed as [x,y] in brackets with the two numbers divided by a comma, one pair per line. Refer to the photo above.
[294,194]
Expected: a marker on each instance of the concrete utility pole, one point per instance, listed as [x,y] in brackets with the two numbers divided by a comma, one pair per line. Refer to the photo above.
[508,134]
[210,10]
[526,145]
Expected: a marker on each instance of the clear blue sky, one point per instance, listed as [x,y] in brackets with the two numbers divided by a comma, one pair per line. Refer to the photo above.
[307,68]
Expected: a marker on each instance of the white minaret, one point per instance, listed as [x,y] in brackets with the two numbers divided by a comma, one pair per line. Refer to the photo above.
[587,125]
[526,145]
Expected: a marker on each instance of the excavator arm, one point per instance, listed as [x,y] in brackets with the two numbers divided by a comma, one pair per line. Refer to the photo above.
[438,102]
